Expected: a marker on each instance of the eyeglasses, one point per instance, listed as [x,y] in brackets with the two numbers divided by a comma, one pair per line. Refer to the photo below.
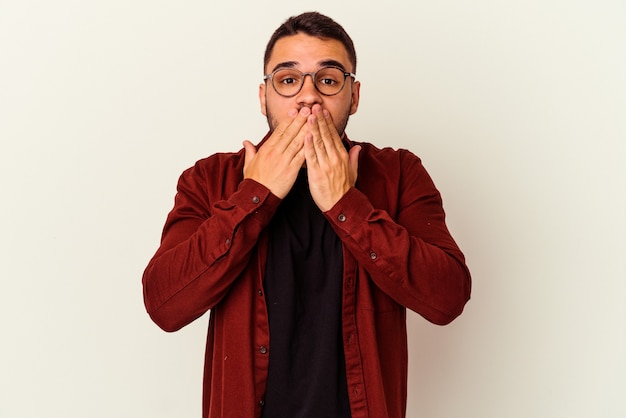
[288,82]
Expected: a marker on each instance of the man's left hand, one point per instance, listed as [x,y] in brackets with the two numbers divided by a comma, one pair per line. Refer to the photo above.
[332,170]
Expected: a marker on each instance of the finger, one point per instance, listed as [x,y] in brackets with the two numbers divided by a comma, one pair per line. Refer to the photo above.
[291,128]
[329,132]
[353,160]
[310,153]
[250,151]
[298,160]
[328,137]
[282,126]
[317,137]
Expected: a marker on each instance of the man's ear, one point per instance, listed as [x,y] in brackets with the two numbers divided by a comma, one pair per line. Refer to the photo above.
[356,95]
[262,100]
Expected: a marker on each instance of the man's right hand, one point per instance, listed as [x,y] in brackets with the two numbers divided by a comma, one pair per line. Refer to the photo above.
[276,164]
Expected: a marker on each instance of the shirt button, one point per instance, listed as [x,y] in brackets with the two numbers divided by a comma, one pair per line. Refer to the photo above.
[373,255]
[263,349]
[341,218]
[261,402]
[260,293]
[256,199]
[227,241]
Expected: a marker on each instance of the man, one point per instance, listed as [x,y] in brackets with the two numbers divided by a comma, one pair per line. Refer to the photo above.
[307,249]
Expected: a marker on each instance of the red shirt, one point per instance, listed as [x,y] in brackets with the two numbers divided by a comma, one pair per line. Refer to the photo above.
[397,253]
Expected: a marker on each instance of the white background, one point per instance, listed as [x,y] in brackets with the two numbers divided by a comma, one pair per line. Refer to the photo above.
[517,108]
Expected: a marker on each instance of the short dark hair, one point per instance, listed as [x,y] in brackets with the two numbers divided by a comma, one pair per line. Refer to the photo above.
[312,24]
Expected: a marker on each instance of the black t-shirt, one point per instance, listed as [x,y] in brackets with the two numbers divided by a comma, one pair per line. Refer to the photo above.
[303,289]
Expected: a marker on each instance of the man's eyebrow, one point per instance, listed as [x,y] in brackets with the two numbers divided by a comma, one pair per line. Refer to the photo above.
[323,63]
[332,63]
[286,64]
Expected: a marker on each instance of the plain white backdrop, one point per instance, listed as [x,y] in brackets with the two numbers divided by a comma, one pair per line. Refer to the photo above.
[517,108]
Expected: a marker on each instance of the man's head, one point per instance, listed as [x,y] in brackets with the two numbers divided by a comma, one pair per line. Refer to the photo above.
[307,43]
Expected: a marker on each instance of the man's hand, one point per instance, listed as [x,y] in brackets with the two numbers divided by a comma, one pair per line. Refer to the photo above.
[276,164]
[332,171]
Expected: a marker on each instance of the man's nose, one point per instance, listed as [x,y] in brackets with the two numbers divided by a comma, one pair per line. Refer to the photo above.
[308,95]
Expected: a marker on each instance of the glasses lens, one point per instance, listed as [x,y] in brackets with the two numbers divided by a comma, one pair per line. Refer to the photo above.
[329,80]
[287,82]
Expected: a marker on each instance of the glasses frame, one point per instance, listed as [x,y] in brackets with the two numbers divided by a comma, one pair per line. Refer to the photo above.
[346,74]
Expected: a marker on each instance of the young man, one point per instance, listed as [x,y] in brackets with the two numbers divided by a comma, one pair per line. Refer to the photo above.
[307,249]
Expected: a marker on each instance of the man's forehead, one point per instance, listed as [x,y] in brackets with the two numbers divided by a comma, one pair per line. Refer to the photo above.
[300,50]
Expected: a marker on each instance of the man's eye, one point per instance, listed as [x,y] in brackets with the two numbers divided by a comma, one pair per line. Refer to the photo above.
[328,81]
[288,78]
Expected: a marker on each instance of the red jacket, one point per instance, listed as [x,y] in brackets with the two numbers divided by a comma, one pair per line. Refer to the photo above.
[397,252]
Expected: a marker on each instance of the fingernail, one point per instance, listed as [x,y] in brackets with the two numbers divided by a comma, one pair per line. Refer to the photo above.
[292,112]
[305,111]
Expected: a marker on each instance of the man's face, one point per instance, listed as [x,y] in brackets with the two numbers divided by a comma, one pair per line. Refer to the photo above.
[308,54]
